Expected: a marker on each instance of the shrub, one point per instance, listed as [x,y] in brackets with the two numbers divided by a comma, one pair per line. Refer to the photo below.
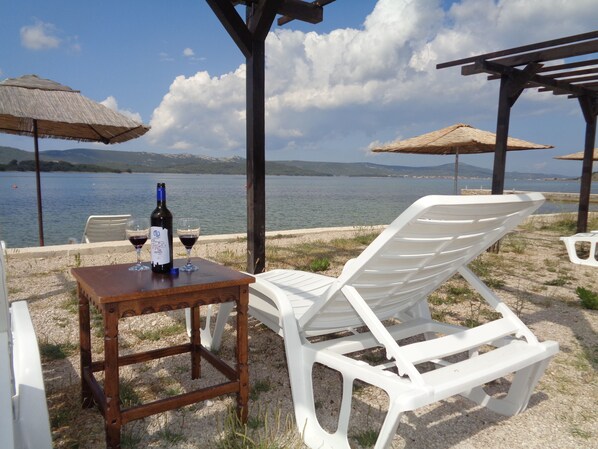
[589,299]
[321,264]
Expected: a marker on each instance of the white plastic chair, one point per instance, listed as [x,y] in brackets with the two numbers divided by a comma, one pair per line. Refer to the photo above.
[23,408]
[431,241]
[105,228]
[589,240]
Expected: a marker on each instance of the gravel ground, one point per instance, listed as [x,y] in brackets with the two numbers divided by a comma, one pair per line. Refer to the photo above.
[536,280]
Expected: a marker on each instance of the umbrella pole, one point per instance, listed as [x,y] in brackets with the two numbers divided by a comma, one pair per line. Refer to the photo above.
[456,171]
[40,221]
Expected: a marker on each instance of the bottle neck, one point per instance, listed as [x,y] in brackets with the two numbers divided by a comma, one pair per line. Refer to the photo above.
[161,196]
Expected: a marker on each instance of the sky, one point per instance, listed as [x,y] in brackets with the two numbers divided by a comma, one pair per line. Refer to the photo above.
[364,76]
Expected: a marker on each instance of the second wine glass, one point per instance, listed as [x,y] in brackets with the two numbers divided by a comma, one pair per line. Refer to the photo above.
[137,233]
[188,231]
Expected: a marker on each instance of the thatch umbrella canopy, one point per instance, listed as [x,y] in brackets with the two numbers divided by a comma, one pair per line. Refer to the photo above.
[456,139]
[577,156]
[37,107]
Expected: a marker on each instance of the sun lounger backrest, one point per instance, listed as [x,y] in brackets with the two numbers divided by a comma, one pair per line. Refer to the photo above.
[105,228]
[418,252]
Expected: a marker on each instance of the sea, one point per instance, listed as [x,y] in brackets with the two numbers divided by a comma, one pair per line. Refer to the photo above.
[219,201]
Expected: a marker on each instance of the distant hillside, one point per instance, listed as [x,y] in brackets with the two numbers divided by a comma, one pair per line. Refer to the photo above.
[145,162]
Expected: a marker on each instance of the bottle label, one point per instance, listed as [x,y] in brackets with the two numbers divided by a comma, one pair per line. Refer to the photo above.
[159,248]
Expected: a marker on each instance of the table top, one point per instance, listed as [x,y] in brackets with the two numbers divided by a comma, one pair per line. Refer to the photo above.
[114,283]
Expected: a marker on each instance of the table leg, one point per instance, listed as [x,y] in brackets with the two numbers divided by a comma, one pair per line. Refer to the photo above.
[84,347]
[242,354]
[111,378]
[195,343]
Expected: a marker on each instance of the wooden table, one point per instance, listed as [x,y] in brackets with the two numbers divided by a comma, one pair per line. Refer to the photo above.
[118,293]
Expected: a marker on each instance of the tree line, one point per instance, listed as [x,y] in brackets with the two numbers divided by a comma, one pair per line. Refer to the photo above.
[49,166]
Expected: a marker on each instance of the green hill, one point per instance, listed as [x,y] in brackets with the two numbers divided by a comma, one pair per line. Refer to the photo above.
[112,160]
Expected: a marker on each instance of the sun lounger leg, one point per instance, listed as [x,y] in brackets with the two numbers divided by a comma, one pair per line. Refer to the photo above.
[522,387]
[389,427]
[211,340]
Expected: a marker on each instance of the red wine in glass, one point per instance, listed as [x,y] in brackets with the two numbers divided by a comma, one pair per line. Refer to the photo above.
[188,231]
[188,240]
[137,232]
[138,241]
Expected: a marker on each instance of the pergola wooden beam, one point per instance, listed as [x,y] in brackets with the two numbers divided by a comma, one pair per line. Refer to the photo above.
[233,24]
[559,79]
[567,51]
[308,12]
[521,49]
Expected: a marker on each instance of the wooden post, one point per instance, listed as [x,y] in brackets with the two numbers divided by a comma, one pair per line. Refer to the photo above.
[38,184]
[256,164]
[589,108]
[502,134]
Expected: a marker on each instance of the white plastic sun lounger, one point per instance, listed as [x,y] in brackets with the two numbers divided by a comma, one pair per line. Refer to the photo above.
[24,422]
[105,228]
[431,241]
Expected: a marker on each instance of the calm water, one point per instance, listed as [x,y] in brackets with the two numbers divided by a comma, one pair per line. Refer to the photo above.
[219,201]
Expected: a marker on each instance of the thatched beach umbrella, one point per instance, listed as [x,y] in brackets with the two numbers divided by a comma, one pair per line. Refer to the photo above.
[38,107]
[456,139]
[577,156]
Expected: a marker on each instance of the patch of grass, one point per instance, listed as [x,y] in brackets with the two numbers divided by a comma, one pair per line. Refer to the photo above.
[435,300]
[565,225]
[260,386]
[261,435]
[170,437]
[320,264]
[365,239]
[367,438]
[577,432]
[127,393]
[129,439]
[515,243]
[494,283]
[557,282]
[480,266]
[51,351]
[173,391]
[457,293]
[71,304]
[589,299]
[161,332]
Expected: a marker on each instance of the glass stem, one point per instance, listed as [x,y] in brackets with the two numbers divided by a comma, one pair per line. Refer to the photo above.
[138,256]
[188,256]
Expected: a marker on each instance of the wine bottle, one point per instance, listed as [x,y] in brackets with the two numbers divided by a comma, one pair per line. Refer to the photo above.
[161,234]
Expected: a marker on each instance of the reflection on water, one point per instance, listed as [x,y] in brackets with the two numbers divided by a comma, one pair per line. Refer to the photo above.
[219,201]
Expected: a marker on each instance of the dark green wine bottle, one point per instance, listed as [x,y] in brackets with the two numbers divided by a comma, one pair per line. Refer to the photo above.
[161,234]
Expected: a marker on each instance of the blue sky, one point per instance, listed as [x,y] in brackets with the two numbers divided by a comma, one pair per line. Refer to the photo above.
[366,75]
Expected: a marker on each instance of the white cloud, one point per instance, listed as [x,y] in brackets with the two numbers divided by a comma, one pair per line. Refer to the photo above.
[349,87]
[40,36]
[188,52]
[111,103]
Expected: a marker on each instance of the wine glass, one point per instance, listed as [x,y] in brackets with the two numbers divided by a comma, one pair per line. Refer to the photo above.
[137,233]
[188,231]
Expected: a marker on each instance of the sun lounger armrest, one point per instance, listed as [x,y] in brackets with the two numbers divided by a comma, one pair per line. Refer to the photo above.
[264,297]
[382,335]
[30,406]
[496,303]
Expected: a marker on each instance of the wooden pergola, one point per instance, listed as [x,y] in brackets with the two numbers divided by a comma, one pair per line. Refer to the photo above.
[250,36]
[566,66]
